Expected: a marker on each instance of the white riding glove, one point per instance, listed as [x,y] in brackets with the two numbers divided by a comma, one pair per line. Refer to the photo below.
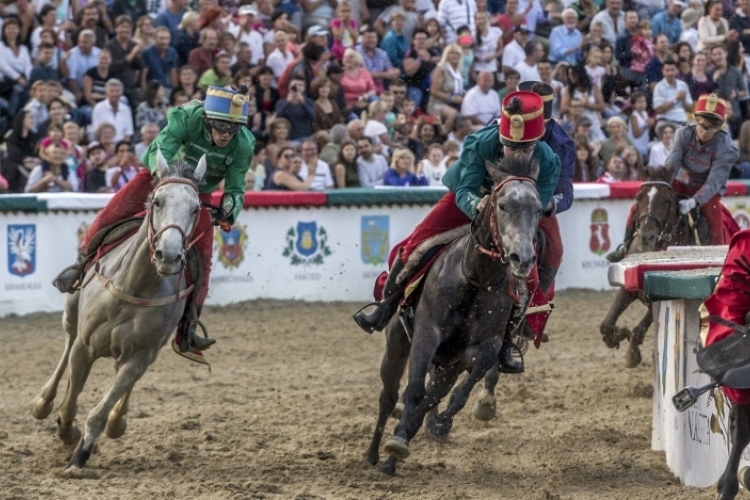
[687,205]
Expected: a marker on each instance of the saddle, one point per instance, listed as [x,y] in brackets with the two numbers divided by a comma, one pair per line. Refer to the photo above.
[727,361]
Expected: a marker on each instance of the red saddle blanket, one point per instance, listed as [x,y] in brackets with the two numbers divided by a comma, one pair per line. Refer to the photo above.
[123,233]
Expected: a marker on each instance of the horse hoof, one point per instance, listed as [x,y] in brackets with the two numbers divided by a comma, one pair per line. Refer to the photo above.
[370,458]
[388,468]
[116,428]
[632,357]
[437,432]
[74,472]
[42,408]
[71,436]
[397,447]
[485,410]
[398,411]
[743,476]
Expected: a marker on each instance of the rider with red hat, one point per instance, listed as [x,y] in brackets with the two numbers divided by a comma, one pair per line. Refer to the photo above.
[517,134]
[702,157]
[214,128]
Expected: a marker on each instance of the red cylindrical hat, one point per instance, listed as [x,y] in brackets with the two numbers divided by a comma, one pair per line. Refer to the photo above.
[711,106]
[522,121]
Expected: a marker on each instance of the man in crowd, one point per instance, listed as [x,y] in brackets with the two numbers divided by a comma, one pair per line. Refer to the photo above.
[565,40]
[527,68]
[452,14]
[672,98]
[245,31]
[376,60]
[613,20]
[202,58]
[729,85]
[654,67]
[160,61]
[481,103]
[311,163]
[171,17]
[513,53]
[111,110]
[281,56]
[395,43]
[126,59]
[668,21]
[623,51]
[371,167]
[78,61]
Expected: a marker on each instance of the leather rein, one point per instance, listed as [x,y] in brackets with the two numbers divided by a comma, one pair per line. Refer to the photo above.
[496,250]
[662,225]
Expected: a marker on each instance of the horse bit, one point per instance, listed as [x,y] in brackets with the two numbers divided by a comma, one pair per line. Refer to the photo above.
[660,224]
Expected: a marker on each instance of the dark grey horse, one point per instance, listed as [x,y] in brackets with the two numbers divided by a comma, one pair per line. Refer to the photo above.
[462,312]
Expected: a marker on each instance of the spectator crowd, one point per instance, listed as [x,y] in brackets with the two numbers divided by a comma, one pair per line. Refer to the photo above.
[349,93]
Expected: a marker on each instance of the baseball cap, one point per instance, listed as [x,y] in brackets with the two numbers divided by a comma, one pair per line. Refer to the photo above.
[247,10]
[317,31]
[583,120]
[680,3]
[94,146]
[521,28]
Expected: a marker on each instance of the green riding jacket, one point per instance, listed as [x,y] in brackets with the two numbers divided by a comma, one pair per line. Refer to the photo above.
[186,133]
[468,179]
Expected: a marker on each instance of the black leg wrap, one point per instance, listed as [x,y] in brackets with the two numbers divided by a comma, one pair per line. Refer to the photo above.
[80,457]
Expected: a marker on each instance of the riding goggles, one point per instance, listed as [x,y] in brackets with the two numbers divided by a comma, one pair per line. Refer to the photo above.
[224,127]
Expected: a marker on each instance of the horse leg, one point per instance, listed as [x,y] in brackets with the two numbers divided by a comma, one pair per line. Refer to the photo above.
[441,425]
[424,346]
[611,334]
[486,408]
[80,366]
[127,375]
[391,370]
[116,421]
[739,426]
[633,354]
[43,405]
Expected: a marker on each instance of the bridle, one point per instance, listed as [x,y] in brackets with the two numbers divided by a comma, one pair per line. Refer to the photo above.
[154,234]
[661,224]
[496,250]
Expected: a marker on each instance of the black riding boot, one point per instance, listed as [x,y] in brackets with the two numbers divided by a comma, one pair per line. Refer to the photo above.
[509,364]
[384,310]
[69,278]
[190,341]
[622,251]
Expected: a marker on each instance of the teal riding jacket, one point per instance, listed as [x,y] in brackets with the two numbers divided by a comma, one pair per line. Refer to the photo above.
[186,134]
[469,180]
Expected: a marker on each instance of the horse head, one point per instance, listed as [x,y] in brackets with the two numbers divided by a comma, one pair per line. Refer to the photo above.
[173,212]
[657,209]
[513,211]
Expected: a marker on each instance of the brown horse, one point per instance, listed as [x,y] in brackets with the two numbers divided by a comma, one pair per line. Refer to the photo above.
[658,225]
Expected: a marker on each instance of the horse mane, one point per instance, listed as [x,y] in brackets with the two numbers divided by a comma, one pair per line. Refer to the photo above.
[180,168]
[517,167]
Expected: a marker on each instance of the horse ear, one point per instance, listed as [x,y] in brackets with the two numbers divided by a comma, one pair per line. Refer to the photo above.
[644,172]
[162,167]
[534,169]
[495,171]
[200,170]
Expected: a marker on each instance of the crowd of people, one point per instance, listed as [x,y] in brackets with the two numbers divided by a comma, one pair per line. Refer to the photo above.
[357,93]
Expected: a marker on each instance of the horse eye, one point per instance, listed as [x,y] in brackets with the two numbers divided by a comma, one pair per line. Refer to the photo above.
[157,203]
[501,207]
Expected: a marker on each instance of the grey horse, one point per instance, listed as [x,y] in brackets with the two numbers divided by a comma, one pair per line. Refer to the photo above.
[462,313]
[128,308]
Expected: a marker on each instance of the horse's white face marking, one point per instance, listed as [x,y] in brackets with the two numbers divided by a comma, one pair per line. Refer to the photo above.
[651,194]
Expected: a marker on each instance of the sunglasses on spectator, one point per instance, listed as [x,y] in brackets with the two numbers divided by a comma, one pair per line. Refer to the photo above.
[223,127]
[707,128]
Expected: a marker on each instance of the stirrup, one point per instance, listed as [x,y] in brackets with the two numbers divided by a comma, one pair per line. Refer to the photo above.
[368,323]
[617,254]
[513,349]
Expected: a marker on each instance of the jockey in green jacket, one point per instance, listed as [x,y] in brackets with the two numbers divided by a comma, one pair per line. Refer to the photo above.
[215,128]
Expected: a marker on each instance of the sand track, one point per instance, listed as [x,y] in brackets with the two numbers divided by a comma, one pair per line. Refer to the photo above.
[290,405]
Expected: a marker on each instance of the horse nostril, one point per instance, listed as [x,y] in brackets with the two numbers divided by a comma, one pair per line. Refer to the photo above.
[515,258]
[158,255]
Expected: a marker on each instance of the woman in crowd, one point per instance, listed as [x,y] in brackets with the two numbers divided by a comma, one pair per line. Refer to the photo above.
[435,33]
[188,83]
[189,36]
[594,38]
[125,168]
[508,21]
[375,128]
[21,149]
[587,167]
[488,46]
[15,66]
[144,32]
[228,44]
[284,177]
[345,170]
[47,21]
[659,151]
[736,58]
[713,29]
[447,87]
[278,137]
[327,112]
[743,144]
[616,171]
[683,54]
[151,109]
[699,82]
[357,84]
[105,135]
[52,175]
[432,166]
[617,141]
[580,87]
[428,133]
[401,173]
[266,96]
[633,161]
[95,78]
[50,36]
[219,75]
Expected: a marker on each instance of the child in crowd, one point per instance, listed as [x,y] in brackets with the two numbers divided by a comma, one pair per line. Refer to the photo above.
[401,173]
[96,181]
[594,67]
[466,42]
[639,123]
[432,165]
[512,79]
[570,119]
[587,167]
[37,105]
[406,119]
[616,171]
[633,162]
[126,169]
[451,152]
[642,48]
[343,29]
